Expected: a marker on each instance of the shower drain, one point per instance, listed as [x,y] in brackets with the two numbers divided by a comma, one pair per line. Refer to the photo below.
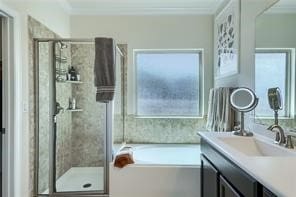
[87,185]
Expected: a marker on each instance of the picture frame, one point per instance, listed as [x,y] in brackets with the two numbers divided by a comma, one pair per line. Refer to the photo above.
[226,42]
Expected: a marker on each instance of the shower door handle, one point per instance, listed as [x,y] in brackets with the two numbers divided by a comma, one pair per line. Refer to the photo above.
[55,119]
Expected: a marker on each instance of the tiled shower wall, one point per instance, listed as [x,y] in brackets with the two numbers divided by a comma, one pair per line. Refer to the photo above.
[63,149]
[80,135]
[64,118]
[37,30]
[88,125]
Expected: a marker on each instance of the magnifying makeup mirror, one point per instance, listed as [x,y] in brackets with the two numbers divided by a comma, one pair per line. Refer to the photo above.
[243,100]
[275,102]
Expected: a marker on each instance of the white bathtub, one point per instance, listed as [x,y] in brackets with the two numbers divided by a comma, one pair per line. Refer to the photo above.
[159,171]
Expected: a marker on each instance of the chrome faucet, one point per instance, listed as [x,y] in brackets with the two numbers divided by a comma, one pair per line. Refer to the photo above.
[280,137]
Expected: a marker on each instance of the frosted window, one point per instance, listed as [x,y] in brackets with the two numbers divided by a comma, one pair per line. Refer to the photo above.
[167,83]
[271,71]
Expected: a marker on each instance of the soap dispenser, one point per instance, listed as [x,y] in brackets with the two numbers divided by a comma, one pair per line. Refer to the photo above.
[72,73]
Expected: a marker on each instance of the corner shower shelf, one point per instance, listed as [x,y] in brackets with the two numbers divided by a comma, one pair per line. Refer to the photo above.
[75,110]
[61,59]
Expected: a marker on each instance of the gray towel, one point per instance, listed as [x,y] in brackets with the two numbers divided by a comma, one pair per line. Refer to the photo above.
[104,69]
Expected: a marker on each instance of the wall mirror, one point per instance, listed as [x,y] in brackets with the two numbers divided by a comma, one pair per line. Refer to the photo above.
[275,62]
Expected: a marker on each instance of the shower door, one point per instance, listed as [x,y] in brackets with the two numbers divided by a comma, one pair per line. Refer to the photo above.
[73,131]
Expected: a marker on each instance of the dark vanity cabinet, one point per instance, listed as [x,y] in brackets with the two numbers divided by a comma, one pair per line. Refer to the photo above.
[222,178]
[209,177]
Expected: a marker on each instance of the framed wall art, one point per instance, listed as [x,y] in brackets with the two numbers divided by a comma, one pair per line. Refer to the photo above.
[227,34]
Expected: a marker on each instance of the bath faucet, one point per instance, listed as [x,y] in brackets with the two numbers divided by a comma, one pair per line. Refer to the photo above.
[280,137]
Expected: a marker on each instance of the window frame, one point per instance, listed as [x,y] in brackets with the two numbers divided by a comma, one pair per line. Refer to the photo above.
[290,73]
[198,51]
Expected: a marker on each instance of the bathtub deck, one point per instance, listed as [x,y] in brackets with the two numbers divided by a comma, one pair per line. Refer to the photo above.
[165,154]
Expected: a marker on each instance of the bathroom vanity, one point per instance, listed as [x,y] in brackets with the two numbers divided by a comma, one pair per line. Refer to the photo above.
[233,166]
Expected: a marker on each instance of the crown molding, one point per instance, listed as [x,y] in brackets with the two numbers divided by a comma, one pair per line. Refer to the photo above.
[144,11]
[147,8]
[282,9]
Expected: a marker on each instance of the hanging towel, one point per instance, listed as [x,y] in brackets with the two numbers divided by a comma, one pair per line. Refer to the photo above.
[227,114]
[220,113]
[210,117]
[104,69]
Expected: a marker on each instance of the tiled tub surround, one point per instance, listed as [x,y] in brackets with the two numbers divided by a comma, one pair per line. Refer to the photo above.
[152,130]
[137,130]
[160,130]
[287,124]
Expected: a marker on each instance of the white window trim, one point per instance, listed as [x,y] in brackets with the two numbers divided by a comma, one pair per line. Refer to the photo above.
[290,83]
[201,85]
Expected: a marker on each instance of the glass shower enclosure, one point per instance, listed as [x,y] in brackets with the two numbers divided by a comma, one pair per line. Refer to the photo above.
[73,135]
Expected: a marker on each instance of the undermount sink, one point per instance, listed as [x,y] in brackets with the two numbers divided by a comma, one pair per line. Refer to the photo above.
[252,146]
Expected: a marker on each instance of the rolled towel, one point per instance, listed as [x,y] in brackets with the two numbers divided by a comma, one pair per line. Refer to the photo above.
[124,157]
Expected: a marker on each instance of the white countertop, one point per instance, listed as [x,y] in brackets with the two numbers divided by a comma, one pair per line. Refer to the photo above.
[277,173]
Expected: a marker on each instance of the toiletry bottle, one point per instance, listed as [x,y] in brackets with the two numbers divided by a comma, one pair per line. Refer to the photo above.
[68,74]
[70,103]
[73,74]
[77,76]
[73,103]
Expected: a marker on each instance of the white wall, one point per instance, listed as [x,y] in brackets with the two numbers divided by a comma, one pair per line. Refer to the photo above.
[52,16]
[276,31]
[151,32]
[47,12]
[250,9]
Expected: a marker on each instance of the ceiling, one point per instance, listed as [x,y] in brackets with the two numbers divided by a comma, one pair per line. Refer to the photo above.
[142,7]
[118,7]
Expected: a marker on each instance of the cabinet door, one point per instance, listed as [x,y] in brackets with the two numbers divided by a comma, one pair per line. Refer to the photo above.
[209,179]
[267,193]
[226,190]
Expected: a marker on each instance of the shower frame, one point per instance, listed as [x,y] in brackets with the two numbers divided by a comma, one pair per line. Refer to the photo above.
[52,136]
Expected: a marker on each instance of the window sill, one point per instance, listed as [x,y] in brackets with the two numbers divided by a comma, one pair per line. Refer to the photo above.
[272,118]
[169,117]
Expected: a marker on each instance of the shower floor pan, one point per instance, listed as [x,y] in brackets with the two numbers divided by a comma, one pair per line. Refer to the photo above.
[81,179]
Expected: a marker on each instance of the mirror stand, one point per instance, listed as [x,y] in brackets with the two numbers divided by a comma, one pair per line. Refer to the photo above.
[242,131]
